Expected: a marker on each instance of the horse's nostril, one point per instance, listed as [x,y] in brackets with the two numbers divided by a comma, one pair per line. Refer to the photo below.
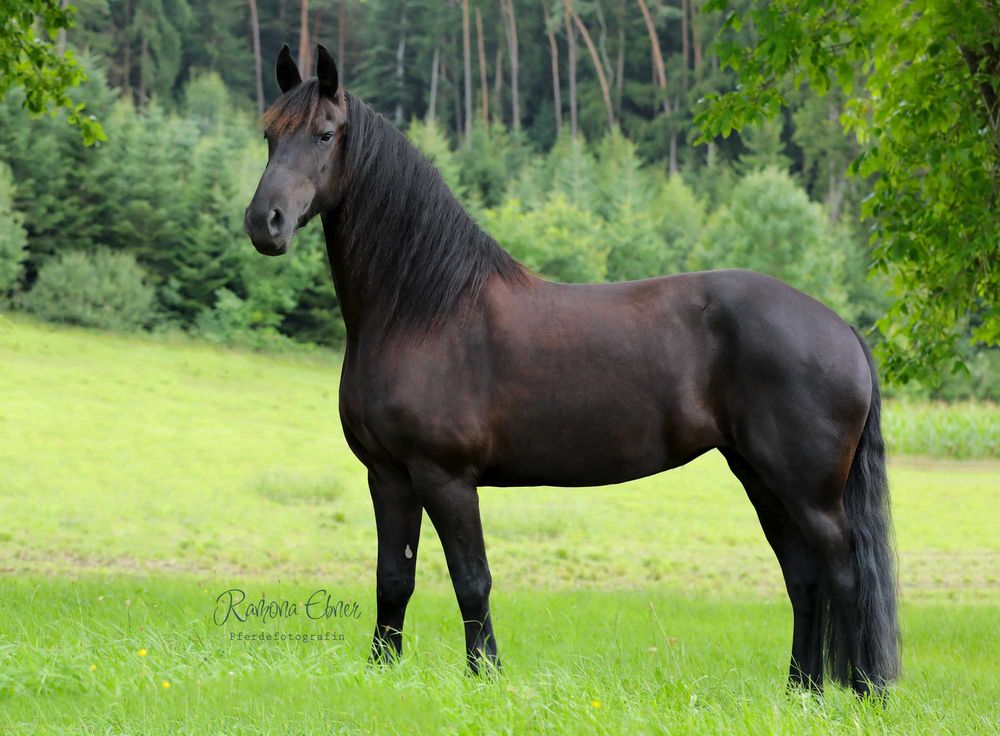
[275,221]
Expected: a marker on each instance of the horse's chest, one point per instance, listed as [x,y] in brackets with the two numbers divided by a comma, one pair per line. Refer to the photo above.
[397,416]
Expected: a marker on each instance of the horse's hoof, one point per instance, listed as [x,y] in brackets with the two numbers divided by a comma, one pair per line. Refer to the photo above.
[484,665]
[383,654]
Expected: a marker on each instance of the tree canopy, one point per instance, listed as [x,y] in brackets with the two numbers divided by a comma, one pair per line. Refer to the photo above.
[596,139]
[31,60]
[922,87]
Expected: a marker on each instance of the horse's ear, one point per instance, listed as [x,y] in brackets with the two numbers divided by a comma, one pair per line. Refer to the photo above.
[326,72]
[286,71]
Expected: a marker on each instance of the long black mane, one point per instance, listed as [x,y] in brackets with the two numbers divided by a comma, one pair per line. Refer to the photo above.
[410,250]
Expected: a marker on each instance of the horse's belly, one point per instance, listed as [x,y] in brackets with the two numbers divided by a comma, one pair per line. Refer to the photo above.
[554,474]
[585,451]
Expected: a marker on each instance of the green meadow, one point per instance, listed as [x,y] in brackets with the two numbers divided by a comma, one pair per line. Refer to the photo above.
[140,477]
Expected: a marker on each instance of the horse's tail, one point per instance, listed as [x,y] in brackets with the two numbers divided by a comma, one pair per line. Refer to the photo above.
[866,503]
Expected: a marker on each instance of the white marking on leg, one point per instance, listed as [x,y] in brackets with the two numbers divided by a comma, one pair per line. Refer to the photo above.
[408,553]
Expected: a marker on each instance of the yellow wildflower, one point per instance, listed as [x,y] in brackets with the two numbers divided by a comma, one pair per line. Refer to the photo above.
[142,652]
[595,703]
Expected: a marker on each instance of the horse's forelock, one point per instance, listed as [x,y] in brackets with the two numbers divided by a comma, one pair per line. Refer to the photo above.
[292,110]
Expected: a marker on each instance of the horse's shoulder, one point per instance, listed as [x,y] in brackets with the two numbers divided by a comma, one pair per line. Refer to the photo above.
[421,393]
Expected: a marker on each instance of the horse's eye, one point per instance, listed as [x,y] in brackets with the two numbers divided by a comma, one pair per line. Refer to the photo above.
[327,136]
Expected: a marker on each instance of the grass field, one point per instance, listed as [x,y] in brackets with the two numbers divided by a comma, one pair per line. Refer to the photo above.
[141,478]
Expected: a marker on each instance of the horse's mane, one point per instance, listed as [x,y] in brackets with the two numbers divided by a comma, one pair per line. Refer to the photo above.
[410,250]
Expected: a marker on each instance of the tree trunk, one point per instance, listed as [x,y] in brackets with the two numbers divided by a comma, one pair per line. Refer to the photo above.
[257,63]
[467,67]
[143,63]
[658,67]
[341,51]
[986,59]
[61,38]
[459,127]
[507,9]
[685,39]
[400,68]
[445,78]
[661,80]
[317,26]
[127,55]
[836,183]
[620,71]
[432,103]
[571,41]
[305,50]
[602,44]
[834,196]
[457,101]
[713,62]
[602,79]
[672,160]
[698,54]
[554,55]
[498,86]
[484,86]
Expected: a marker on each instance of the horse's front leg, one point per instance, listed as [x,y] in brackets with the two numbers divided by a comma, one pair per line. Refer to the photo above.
[397,517]
[453,507]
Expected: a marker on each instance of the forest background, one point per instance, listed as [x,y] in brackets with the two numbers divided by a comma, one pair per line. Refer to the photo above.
[570,130]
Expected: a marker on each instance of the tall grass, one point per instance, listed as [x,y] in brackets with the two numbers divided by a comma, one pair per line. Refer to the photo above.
[111,655]
[966,430]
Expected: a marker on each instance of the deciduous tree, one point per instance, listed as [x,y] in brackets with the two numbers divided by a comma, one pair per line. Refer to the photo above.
[928,113]
[30,60]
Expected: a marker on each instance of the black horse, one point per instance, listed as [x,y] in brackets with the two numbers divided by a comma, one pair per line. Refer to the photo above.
[464,369]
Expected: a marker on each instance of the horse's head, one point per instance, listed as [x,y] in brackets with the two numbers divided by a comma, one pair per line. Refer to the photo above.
[304,130]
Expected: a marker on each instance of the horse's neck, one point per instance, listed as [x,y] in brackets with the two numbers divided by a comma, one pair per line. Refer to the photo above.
[350,304]
[403,252]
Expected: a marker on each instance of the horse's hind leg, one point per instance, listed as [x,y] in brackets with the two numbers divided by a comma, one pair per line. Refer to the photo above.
[801,568]
[810,483]
[827,528]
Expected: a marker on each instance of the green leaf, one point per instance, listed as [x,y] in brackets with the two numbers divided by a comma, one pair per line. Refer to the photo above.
[845,76]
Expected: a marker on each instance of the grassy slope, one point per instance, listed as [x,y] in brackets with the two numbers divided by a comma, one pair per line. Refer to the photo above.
[655,663]
[163,473]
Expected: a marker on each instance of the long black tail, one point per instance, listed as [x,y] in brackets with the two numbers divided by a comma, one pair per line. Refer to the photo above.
[866,502]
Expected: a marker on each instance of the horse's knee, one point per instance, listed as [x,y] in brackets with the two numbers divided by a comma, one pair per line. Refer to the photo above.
[393,591]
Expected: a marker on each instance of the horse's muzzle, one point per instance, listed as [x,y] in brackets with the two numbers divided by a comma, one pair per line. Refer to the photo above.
[270,231]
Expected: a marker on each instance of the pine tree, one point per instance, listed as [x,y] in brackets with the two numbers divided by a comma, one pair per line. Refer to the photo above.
[60,186]
[13,239]
[154,36]
[220,41]
[207,256]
